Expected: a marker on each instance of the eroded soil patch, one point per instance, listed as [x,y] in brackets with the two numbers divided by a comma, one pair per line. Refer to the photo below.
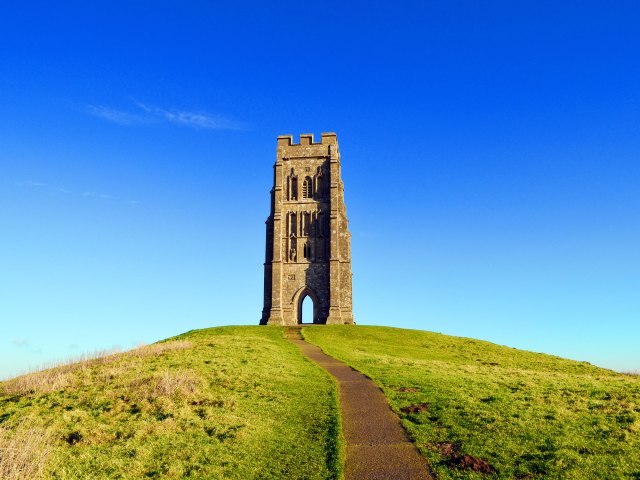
[414,409]
[408,389]
[451,451]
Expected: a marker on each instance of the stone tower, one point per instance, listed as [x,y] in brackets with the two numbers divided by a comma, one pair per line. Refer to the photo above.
[308,242]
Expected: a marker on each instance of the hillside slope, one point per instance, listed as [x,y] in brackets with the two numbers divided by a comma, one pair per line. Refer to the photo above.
[479,410]
[229,402]
[243,403]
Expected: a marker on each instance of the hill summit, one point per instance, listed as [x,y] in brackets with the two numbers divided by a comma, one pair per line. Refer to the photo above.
[242,402]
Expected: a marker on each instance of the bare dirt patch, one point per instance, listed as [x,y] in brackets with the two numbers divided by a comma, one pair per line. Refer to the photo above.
[407,389]
[447,449]
[467,462]
[463,462]
[415,409]
[73,438]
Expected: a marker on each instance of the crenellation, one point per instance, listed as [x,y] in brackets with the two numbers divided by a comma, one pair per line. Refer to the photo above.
[285,140]
[329,138]
[307,139]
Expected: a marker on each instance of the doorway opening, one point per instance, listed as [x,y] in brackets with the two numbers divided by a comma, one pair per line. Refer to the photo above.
[307,310]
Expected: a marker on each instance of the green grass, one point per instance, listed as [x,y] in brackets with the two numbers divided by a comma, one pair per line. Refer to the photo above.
[229,402]
[241,402]
[527,415]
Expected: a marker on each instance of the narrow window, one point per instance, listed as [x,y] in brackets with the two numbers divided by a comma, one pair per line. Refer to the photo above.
[319,183]
[307,188]
[306,223]
[292,253]
[314,222]
[320,224]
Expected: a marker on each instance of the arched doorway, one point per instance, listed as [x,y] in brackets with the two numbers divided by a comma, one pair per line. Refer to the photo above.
[306,310]
[307,307]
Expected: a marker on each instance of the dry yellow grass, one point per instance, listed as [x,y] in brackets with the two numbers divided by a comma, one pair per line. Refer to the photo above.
[24,451]
[69,373]
[53,377]
[158,348]
[168,383]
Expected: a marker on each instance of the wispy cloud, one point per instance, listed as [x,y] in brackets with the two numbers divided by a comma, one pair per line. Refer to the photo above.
[21,342]
[116,116]
[97,195]
[149,114]
[85,194]
[190,119]
[31,184]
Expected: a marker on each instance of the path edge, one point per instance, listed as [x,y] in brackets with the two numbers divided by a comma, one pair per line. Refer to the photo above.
[337,463]
[407,433]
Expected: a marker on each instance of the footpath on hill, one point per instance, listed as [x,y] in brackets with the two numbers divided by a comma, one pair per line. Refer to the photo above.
[377,447]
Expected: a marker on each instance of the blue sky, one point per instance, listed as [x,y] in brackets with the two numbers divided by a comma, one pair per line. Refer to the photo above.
[490,156]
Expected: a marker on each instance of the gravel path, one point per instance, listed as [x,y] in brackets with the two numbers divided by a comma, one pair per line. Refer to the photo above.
[377,446]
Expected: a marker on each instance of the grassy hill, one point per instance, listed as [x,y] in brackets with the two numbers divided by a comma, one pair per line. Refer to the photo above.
[472,404]
[230,402]
[242,403]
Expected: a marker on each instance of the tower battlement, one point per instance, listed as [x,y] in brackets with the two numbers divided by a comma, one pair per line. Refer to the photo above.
[308,245]
[326,138]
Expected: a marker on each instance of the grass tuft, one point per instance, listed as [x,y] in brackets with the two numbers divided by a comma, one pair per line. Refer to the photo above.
[179,384]
[158,348]
[24,451]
